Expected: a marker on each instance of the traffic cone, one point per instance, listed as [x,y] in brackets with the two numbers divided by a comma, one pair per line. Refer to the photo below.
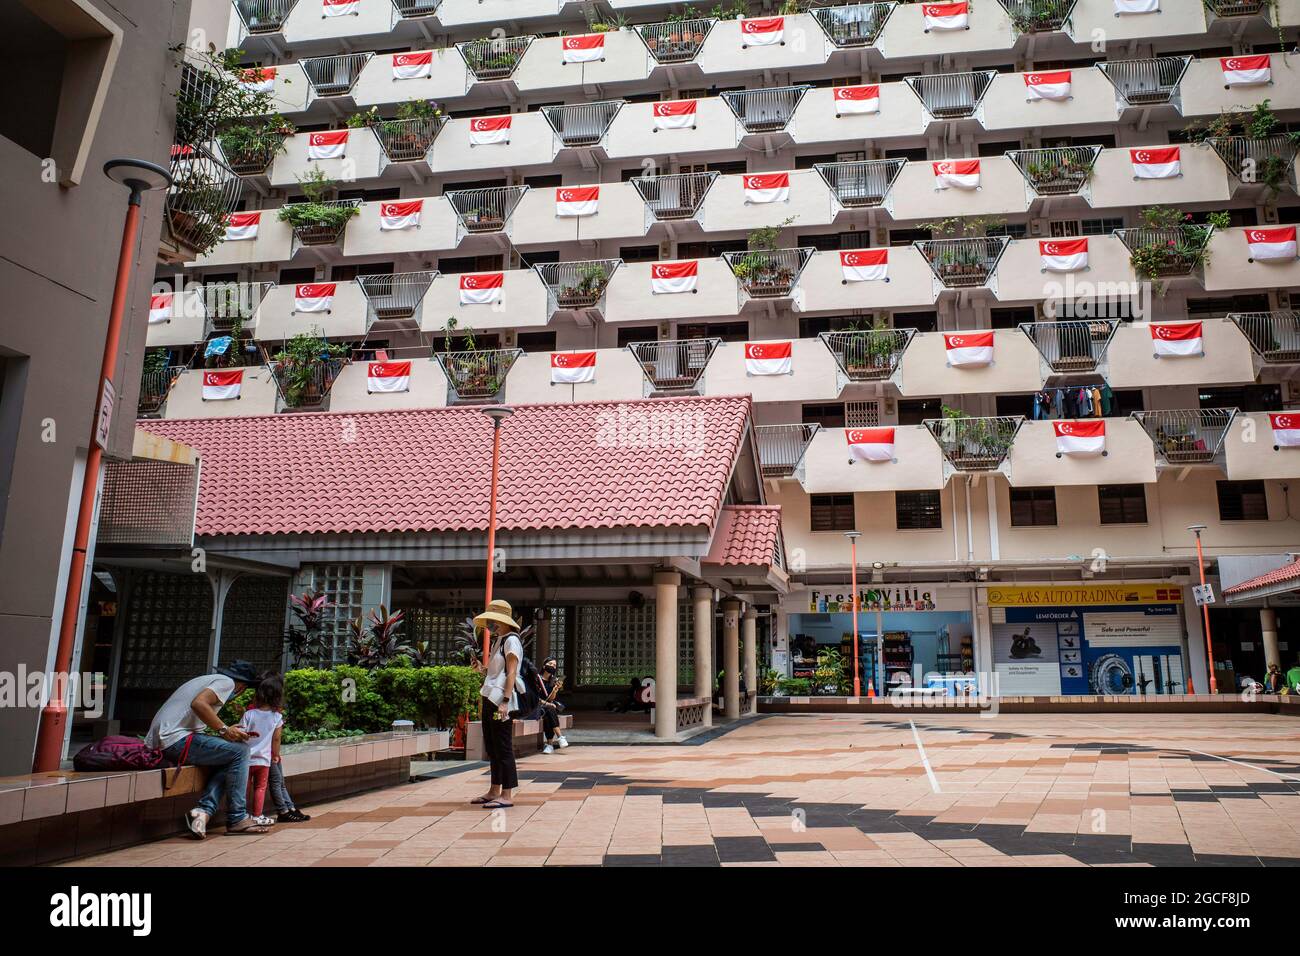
[871,687]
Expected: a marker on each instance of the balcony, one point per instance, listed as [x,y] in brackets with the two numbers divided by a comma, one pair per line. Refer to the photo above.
[581,124]
[1073,347]
[414,9]
[494,59]
[1269,160]
[155,386]
[576,286]
[334,75]
[305,388]
[1061,171]
[870,355]
[483,211]
[674,366]
[328,228]
[854,26]
[973,445]
[408,140]
[203,194]
[1236,8]
[781,447]
[1161,253]
[676,41]
[768,274]
[477,376]
[1148,82]
[1274,336]
[963,263]
[395,297]
[229,306]
[251,155]
[674,197]
[951,96]
[1038,16]
[264,16]
[861,185]
[1186,436]
[765,111]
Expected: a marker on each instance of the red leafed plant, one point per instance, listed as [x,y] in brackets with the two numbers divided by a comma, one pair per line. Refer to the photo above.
[309,608]
[379,641]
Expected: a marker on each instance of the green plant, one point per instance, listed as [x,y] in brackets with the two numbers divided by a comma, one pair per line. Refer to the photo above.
[794,686]
[377,642]
[317,212]
[1173,245]
[961,227]
[309,610]
[156,361]
[828,675]
[298,361]
[215,95]
[767,682]
[255,142]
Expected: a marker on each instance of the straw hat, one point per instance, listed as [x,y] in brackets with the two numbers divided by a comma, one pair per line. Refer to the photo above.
[498,611]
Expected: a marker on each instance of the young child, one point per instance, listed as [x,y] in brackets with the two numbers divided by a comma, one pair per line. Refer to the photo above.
[264,719]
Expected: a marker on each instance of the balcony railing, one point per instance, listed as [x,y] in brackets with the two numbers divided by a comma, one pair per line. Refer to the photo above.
[413,9]
[677,41]
[334,75]
[975,444]
[203,194]
[868,355]
[1236,8]
[674,196]
[855,25]
[781,447]
[1038,16]
[577,285]
[1179,249]
[495,58]
[1148,82]
[227,304]
[1071,347]
[768,274]
[264,16]
[253,157]
[765,111]
[1275,336]
[324,232]
[408,140]
[582,124]
[861,185]
[155,386]
[485,210]
[306,388]
[1258,159]
[395,296]
[674,365]
[948,96]
[477,376]
[1186,436]
[963,263]
[1061,171]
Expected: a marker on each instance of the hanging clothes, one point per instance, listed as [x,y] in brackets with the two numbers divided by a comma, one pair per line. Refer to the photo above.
[1096,402]
[1107,400]
[1058,404]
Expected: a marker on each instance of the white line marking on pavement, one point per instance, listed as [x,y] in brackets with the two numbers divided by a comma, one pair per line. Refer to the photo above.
[1202,753]
[925,761]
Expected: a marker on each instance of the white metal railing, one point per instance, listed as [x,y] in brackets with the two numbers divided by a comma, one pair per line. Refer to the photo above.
[407,140]
[1236,8]
[155,386]
[582,124]
[853,25]
[1146,82]
[675,41]
[203,194]
[1186,436]
[975,444]
[478,375]
[412,9]
[1059,171]
[396,295]
[334,75]
[324,232]
[1071,346]
[1179,248]
[676,195]
[765,111]
[963,263]
[868,355]
[674,365]
[226,304]
[951,95]
[304,388]
[485,210]
[768,273]
[781,447]
[577,285]
[863,184]
[251,158]
[494,58]
[1258,159]
[264,16]
[1038,16]
[1275,336]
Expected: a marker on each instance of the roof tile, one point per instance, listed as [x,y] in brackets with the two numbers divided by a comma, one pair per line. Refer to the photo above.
[746,535]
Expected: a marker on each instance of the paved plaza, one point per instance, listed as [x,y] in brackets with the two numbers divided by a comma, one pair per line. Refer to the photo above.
[930,790]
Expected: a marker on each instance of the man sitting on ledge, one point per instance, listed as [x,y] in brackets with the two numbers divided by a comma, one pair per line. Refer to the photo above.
[177,730]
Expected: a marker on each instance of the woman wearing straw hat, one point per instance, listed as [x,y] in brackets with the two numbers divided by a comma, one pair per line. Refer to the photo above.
[501,686]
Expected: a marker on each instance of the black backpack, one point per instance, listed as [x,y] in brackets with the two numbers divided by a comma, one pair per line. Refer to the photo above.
[529,701]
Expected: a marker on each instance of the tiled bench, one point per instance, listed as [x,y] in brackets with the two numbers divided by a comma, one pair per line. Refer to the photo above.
[56,816]
[690,712]
[528,736]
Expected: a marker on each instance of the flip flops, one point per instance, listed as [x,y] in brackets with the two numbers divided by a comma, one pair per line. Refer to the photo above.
[497,805]
[480,800]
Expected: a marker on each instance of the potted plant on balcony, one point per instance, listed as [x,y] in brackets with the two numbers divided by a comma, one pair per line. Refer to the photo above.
[318,221]
[586,289]
[305,368]
[1169,243]
[250,145]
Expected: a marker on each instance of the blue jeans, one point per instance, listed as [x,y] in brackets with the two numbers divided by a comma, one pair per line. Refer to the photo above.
[279,792]
[229,763]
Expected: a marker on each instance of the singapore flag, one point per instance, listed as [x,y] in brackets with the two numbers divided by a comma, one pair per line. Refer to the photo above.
[674,114]
[1246,70]
[160,308]
[339,8]
[856,99]
[1180,338]
[573,201]
[482,288]
[769,358]
[1047,86]
[870,444]
[413,66]
[331,144]
[221,385]
[946,16]
[388,376]
[958,173]
[864,265]
[1080,438]
[258,79]
[314,296]
[969,348]
[489,130]
[1272,245]
[584,49]
[1286,429]
[242,225]
[1136,6]
[762,31]
[400,215]
[1063,255]
[767,187]
[667,278]
[573,368]
[1160,162]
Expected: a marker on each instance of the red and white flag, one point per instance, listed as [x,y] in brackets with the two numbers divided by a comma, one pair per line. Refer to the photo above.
[258,79]
[1272,245]
[1156,162]
[969,348]
[856,99]
[221,385]
[388,376]
[667,278]
[400,215]
[1179,338]
[1048,86]
[1246,70]
[767,187]
[675,114]
[339,8]
[489,130]
[413,66]
[482,288]
[314,296]
[1136,6]
[577,200]
[1063,255]
[769,358]
[160,308]
[331,144]
[946,16]
[870,444]
[864,265]
[1286,429]
[957,173]
[1086,437]
[242,225]
[573,368]
[762,31]
[584,49]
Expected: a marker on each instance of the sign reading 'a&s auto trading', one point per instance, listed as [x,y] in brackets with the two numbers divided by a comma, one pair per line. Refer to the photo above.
[1064,595]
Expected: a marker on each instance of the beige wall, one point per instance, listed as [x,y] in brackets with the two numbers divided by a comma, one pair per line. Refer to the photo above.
[618,378]
[428,388]
[531,143]
[722,53]
[1230,266]
[1174,19]
[904,35]
[1204,179]
[1249,452]
[620,214]
[809,204]
[829,469]
[257,396]
[449,78]
[461,12]
[815,121]
[1203,91]
[362,159]
[522,305]
[437,231]
[1001,192]
[347,316]
[542,67]
[629,299]
[305,23]
[632,133]
[1021,276]
[910,285]
[924,368]
[186,324]
[274,243]
[1092,101]
[1129,459]
[1130,362]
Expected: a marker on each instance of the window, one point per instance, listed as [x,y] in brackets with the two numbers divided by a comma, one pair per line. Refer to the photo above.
[827,415]
[830,242]
[811,326]
[391,194]
[905,237]
[1033,507]
[918,510]
[1011,318]
[1246,398]
[916,154]
[921,321]
[529,259]
[1014,230]
[1242,501]
[638,253]
[536,341]
[831,512]
[999,148]
[295,276]
[637,333]
[913,411]
[474,184]
[709,250]
[1122,504]
[543,182]
[734,168]
[727,331]
[452,265]
[346,272]
[1227,304]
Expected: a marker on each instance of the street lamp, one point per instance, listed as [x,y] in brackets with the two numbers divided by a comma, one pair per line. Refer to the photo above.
[1196,529]
[140,177]
[857,677]
[498,414]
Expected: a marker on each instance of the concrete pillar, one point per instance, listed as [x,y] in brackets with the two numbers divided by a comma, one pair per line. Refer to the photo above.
[1268,628]
[1196,672]
[544,637]
[666,583]
[731,657]
[748,629]
[702,599]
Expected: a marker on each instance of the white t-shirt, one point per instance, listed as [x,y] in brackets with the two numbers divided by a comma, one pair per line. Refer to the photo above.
[176,719]
[265,723]
[494,681]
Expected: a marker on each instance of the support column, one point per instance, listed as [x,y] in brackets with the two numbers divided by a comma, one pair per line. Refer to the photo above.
[666,583]
[702,598]
[731,657]
[1268,629]
[748,629]
[544,636]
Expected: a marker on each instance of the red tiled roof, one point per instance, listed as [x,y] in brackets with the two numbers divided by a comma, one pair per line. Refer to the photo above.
[746,534]
[650,463]
[1288,572]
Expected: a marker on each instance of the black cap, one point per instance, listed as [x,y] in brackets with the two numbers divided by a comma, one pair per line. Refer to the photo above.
[240,671]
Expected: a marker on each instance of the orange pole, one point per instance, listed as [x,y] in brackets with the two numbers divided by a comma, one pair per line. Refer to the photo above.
[54,715]
[857,660]
[492,533]
[1209,646]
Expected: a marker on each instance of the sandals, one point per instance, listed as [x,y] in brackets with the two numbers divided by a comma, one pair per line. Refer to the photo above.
[497,804]
[196,821]
[251,825]
[481,800]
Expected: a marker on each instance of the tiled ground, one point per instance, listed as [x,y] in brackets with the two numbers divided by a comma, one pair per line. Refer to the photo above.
[1015,790]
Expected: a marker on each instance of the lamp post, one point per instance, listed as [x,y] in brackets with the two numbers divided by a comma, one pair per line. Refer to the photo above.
[857,660]
[140,177]
[1196,529]
[498,414]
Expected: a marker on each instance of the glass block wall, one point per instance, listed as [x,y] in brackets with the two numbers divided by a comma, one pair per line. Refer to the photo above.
[616,642]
